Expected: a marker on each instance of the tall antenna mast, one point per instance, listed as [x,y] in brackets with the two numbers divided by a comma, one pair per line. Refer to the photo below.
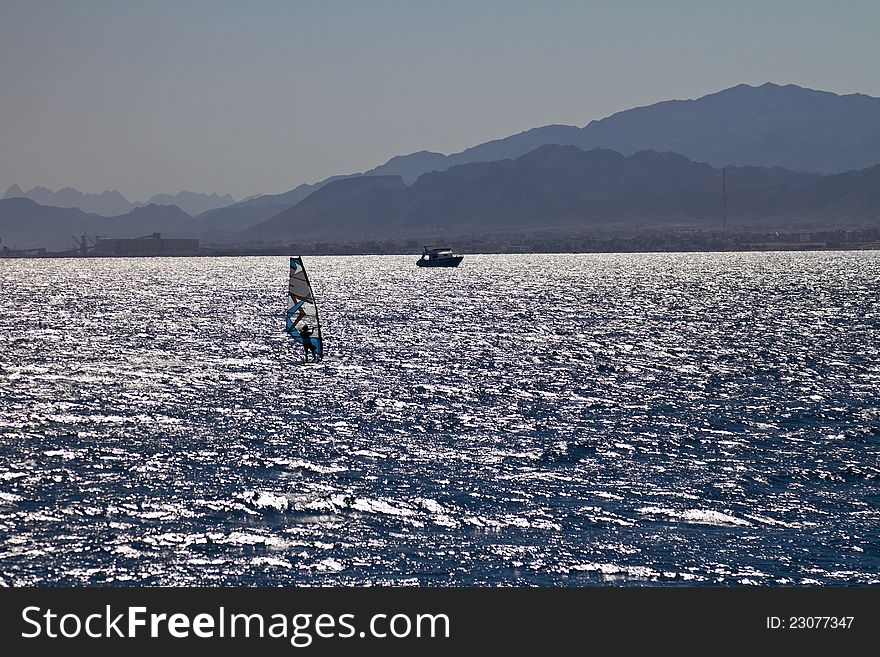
[724,199]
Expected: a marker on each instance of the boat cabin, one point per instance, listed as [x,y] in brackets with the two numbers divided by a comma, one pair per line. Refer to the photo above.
[439,257]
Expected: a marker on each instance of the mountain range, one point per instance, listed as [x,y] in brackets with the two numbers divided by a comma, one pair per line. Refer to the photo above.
[110,204]
[793,156]
[25,224]
[563,188]
[769,125]
[552,188]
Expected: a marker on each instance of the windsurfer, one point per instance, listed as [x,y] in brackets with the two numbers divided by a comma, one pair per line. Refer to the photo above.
[308,346]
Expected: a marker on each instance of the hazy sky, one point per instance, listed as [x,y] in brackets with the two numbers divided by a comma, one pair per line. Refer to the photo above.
[258,96]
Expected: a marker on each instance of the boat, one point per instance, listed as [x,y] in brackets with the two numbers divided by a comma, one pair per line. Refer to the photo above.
[302,321]
[439,257]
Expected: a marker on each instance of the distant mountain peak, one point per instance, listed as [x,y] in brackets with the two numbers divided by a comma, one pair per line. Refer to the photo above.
[112,203]
[106,203]
[154,208]
[410,167]
[193,203]
[793,127]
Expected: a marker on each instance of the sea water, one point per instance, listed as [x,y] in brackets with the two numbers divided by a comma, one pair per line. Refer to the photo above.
[553,420]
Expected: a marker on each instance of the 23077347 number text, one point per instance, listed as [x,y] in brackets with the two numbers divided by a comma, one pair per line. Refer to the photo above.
[810,622]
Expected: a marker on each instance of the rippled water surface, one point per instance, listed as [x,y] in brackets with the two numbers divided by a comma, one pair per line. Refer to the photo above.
[554,420]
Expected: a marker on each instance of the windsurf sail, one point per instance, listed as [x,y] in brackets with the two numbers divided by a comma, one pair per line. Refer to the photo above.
[302,311]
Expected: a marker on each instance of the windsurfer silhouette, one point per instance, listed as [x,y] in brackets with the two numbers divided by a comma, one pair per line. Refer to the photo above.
[306,334]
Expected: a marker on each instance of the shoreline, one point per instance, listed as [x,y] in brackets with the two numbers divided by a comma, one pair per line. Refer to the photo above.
[646,241]
[232,253]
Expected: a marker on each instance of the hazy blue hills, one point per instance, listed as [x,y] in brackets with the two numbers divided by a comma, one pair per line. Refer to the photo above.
[552,188]
[25,224]
[767,126]
[224,222]
[410,167]
[288,199]
[770,125]
[849,196]
[112,204]
[107,204]
[566,188]
[342,201]
[153,218]
[621,171]
[192,203]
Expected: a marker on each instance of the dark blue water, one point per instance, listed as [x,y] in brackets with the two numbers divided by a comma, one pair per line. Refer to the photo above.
[560,420]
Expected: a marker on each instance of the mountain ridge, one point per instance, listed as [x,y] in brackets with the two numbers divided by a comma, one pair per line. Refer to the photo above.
[564,187]
[750,128]
[112,203]
[752,102]
[26,224]
[854,144]
[550,188]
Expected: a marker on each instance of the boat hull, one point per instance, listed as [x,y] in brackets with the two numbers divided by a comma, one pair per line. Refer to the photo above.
[440,262]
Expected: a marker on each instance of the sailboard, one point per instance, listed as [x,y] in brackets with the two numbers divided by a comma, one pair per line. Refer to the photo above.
[302,311]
